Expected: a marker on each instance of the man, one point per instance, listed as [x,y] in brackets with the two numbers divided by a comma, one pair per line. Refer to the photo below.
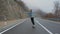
[32,19]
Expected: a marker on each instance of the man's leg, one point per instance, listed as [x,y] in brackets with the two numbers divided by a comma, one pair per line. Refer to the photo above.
[32,20]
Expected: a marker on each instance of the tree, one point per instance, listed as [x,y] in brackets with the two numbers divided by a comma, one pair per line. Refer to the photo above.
[57,8]
[49,15]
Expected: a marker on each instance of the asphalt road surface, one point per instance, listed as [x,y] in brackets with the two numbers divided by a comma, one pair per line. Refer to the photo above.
[41,27]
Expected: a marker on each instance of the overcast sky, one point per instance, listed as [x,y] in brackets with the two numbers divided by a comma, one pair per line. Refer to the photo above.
[45,5]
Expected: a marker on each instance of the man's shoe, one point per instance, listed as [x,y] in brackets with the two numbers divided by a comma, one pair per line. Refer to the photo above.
[33,26]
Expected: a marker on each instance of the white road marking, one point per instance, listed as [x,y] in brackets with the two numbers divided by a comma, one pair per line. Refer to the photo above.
[10,28]
[44,27]
[0,33]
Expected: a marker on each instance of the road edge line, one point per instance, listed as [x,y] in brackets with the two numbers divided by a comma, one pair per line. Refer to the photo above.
[11,27]
[44,27]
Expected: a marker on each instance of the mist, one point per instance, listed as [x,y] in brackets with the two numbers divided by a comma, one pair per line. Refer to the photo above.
[45,5]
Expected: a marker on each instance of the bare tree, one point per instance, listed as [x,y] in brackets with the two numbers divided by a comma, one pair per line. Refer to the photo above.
[57,8]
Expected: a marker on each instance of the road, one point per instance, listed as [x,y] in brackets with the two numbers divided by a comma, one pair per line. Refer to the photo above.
[42,27]
[50,25]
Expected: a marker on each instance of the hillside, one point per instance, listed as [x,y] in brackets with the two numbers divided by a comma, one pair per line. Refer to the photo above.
[9,9]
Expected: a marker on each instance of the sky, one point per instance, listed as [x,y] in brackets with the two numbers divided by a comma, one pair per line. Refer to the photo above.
[45,5]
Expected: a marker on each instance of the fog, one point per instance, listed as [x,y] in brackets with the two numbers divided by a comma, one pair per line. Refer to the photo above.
[45,5]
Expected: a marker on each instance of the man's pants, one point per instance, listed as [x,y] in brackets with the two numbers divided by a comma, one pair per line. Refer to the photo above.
[32,20]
